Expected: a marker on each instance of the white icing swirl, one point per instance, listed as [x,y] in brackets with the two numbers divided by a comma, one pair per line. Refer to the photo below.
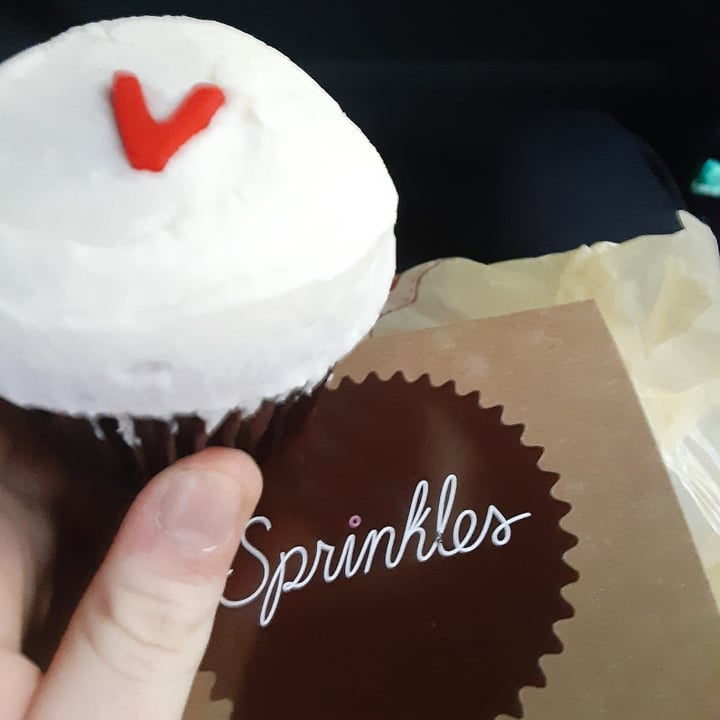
[257,258]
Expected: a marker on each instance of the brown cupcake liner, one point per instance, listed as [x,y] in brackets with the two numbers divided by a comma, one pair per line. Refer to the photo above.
[136,449]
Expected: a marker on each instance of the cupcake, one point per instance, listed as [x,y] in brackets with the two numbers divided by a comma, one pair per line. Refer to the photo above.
[190,229]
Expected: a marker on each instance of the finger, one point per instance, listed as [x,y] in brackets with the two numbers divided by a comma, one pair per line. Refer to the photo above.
[137,638]
[30,482]
[19,678]
[16,571]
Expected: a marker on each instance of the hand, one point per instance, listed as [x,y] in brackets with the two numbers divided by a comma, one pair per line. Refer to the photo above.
[136,639]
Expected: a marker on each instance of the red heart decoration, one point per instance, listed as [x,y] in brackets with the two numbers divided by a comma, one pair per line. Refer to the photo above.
[149,144]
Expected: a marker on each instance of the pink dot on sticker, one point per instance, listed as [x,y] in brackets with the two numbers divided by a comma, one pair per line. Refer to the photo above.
[354,521]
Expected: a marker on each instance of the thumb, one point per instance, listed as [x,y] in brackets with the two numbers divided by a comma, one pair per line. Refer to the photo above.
[136,640]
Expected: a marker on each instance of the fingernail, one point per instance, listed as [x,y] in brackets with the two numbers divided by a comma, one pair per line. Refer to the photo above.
[199,510]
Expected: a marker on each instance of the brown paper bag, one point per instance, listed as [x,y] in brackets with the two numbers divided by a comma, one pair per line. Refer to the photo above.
[645,639]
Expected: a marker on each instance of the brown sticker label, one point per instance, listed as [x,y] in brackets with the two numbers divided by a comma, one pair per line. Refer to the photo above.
[406,560]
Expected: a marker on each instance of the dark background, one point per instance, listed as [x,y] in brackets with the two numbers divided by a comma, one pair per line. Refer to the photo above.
[439,86]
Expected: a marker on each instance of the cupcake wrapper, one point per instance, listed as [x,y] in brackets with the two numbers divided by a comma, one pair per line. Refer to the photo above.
[138,448]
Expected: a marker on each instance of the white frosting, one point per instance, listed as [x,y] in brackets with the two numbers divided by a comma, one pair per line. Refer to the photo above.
[255,260]
[467,536]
